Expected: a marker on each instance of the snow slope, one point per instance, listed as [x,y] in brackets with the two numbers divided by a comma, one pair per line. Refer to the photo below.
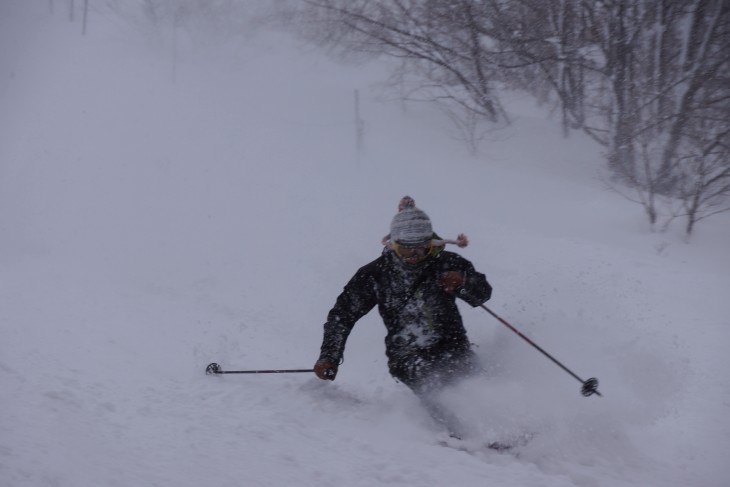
[151,227]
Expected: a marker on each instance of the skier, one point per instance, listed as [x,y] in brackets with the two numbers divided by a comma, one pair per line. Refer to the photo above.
[415,285]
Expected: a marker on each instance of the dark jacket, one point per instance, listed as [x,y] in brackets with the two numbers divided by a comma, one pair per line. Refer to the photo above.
[423,323]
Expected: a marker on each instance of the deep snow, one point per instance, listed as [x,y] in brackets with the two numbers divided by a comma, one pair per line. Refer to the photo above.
[151,227]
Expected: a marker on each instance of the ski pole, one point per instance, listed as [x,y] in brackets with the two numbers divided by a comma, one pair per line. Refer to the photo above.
[590,386]
[214,368]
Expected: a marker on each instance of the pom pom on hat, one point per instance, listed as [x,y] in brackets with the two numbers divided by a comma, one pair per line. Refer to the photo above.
[406,202]
[411,226]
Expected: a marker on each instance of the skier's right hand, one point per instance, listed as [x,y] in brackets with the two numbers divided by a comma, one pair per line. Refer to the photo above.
[325,369]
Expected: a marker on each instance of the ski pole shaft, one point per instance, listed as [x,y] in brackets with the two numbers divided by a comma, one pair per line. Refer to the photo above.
[590,386]
[216,369]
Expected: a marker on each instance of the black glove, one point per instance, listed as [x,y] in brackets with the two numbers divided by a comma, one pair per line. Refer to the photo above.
[325,369]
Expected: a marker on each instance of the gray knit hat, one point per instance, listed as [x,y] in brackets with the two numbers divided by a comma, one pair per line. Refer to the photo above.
[411,227]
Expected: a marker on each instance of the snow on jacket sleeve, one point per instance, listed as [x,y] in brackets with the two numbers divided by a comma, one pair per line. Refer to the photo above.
[355,301]
[475,290]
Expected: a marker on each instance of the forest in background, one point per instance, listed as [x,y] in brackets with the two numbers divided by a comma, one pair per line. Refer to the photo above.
[648,80]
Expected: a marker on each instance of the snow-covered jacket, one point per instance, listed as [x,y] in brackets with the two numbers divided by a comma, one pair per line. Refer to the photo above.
[422,320]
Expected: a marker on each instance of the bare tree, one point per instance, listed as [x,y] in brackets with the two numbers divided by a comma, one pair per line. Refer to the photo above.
[442,47]
[639,76]
[705,181]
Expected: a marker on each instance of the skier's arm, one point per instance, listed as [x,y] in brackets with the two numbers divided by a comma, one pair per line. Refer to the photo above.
[472,287]
[475,289]
[355,301]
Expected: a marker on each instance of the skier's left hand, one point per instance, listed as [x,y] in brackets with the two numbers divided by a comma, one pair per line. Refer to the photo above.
[451,280]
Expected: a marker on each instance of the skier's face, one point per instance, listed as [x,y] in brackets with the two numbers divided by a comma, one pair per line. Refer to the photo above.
[412,255]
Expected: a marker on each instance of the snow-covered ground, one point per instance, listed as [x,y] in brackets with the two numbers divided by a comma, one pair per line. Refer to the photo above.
[150,227]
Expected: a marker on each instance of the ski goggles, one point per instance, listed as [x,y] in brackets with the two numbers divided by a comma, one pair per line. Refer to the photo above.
[412,251]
